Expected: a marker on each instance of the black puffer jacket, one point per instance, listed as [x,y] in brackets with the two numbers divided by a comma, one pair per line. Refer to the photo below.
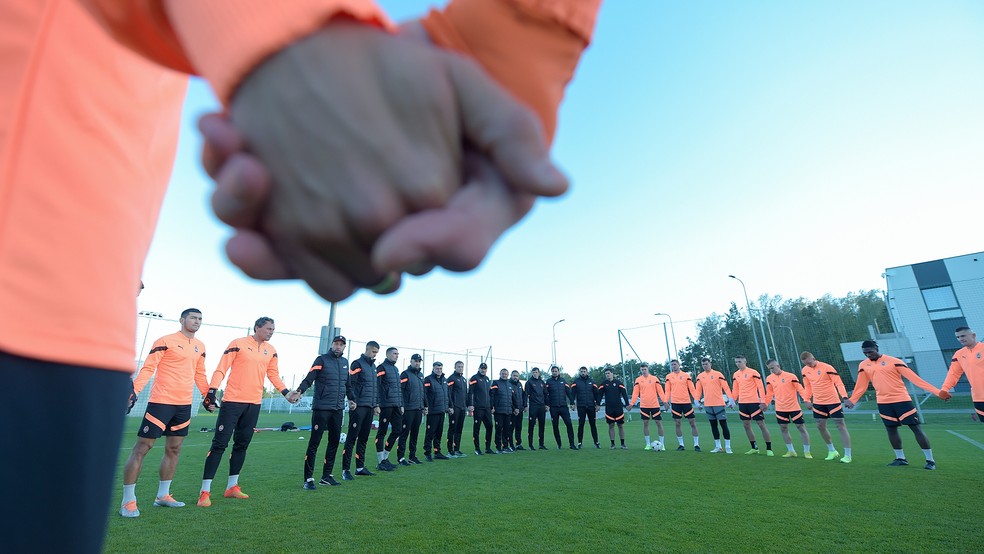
[329,376]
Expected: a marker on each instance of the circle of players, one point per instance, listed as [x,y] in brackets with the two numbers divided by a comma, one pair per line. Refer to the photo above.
[403,401]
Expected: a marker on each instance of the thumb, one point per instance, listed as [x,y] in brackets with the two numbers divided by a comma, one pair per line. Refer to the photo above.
[503,129]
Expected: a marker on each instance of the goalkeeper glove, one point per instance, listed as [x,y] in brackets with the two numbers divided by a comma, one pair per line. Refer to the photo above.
[209,402]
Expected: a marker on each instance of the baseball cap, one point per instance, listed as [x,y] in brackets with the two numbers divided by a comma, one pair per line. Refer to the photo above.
[416,357]
[483,365]
[339,338]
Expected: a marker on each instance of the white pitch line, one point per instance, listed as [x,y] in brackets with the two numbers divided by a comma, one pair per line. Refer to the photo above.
[968,439]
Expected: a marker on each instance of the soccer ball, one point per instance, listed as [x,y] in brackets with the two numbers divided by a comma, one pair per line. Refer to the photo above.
[659,447]
[341,438]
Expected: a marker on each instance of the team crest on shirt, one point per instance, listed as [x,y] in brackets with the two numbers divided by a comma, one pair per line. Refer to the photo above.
[146,428]
[196,348]
[783,380]
[264,352]
[884,363]
[978,355]
[221,427]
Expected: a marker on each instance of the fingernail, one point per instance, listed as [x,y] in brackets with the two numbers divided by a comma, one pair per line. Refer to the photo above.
[389,284]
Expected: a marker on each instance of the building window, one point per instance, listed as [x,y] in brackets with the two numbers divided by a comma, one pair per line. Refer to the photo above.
[940,298]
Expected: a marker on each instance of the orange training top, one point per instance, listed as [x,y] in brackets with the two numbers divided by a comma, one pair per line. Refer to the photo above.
[969,362]
[88,132]
[679,387]
[783,388]
[823,384]
[647,389]
[713,385]
[886,375]
[747,386]
[530,47]
[247,362]
[179,363]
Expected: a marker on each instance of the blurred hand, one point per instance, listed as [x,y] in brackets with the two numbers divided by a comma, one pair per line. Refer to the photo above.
[945,396]
[379,138]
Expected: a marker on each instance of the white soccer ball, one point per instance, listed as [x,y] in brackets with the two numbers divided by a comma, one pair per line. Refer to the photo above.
[341,438]
[659,447]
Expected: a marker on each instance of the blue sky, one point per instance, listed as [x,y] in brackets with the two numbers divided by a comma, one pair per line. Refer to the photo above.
[804,147]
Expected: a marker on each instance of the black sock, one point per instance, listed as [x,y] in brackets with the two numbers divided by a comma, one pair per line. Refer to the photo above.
[754,446]
[768,446]
[622,441]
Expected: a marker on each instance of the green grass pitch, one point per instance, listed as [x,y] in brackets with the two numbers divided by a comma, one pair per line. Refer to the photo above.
[584,501]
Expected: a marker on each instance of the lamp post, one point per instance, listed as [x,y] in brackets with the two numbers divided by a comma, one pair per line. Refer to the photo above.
[673,333]
[751,324]
[553,345]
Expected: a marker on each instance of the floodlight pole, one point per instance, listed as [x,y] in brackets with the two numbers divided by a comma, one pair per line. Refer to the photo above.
[553,345]
[751,324]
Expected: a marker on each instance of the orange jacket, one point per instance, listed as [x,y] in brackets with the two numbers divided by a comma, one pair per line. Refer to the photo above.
[969,362]
[179,363]
[680,387]
[784,388]
[713,385]
[649,391]
[747,386]
[823,384]
[247,362]
[886,374]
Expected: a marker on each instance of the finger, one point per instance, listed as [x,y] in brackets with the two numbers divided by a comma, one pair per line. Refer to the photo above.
[324,278]
[508,132]
[254,255]
[242,188]
[221,141]
[456,237]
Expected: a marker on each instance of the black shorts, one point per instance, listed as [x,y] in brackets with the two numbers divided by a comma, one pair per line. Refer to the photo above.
[617,417]
[894,414]
[681,411]
[979,408]
[784,418]
[165,419]
[828,411]
[750,411]
[650,413]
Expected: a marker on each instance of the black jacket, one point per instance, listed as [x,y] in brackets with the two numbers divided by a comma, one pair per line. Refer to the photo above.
[457,390]
[558,392]
[388,381]
[585,391]
[329,376]
[478,392]
[614,394]
[435,394]
[503,398]
[519,392]
[413,389]
[535,392]
[362,383]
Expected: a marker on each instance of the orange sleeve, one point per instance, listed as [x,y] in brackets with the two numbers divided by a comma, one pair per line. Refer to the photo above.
[770,392]
[200,379]
[839,384]
[860,386]
[699,388]
[802,392]
[530,47]
[953,375]
[221,40]
[725,387]
[224,364]
[808,388]
[661,393]
[635,393]
[273,372]
[150,365]
[735,387]
[918,381]
[693,391]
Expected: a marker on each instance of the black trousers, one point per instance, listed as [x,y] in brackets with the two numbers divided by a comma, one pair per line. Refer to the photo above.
[357,436]
[236,421]
[483,416]
[586,413]
[392,418]
[411,429]
[502,420]
[517,429]
[456,424]
[556,414]
[433,432]
[538,417]
[95,401]
[322,421]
